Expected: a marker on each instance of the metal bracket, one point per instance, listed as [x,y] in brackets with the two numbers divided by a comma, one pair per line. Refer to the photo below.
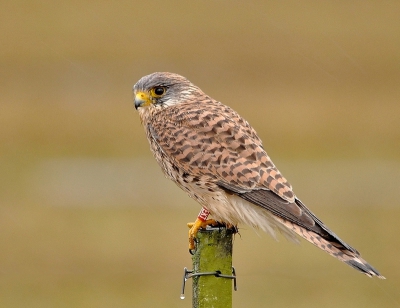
[187,274]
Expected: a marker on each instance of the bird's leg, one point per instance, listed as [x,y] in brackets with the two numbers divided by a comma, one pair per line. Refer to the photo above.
[201,222]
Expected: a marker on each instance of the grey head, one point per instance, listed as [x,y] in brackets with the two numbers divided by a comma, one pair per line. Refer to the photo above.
[163,89]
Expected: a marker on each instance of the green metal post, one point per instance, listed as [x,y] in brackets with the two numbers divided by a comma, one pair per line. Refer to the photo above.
[213,254]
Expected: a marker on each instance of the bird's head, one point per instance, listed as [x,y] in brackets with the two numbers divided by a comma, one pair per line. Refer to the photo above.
[163,90]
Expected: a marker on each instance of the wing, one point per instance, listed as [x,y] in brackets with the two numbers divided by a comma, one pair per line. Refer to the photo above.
[211,140]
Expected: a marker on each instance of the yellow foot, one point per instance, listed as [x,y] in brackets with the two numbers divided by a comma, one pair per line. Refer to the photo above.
[194,228]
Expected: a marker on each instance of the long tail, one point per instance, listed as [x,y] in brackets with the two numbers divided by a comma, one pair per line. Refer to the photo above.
[335,249]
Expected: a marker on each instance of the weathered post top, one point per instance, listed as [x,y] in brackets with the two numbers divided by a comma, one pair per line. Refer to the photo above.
[212,268]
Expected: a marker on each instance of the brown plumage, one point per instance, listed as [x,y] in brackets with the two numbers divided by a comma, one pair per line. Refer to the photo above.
[214,155]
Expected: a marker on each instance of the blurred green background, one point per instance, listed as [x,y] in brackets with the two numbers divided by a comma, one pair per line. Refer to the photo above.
[86,216]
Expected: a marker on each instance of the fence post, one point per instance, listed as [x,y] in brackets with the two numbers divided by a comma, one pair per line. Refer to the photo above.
[213,256]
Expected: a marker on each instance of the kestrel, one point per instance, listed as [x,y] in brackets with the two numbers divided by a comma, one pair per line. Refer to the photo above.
[217,158]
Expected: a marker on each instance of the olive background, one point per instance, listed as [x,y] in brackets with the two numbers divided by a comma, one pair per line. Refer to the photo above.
[87,218]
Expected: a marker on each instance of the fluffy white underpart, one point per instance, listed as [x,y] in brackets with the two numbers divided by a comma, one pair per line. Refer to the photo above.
[235,210]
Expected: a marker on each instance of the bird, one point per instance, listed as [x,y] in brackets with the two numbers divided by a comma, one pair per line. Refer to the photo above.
[217,158]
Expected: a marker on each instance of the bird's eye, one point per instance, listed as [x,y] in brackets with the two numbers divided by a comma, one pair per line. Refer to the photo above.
[158,91]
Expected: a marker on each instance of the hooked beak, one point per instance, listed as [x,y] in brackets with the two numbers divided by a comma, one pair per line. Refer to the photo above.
[142,99]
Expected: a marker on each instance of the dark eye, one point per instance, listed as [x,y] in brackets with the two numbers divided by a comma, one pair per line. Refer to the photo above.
[159,90]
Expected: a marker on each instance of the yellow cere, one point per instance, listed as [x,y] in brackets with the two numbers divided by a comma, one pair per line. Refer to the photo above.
[144,97]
